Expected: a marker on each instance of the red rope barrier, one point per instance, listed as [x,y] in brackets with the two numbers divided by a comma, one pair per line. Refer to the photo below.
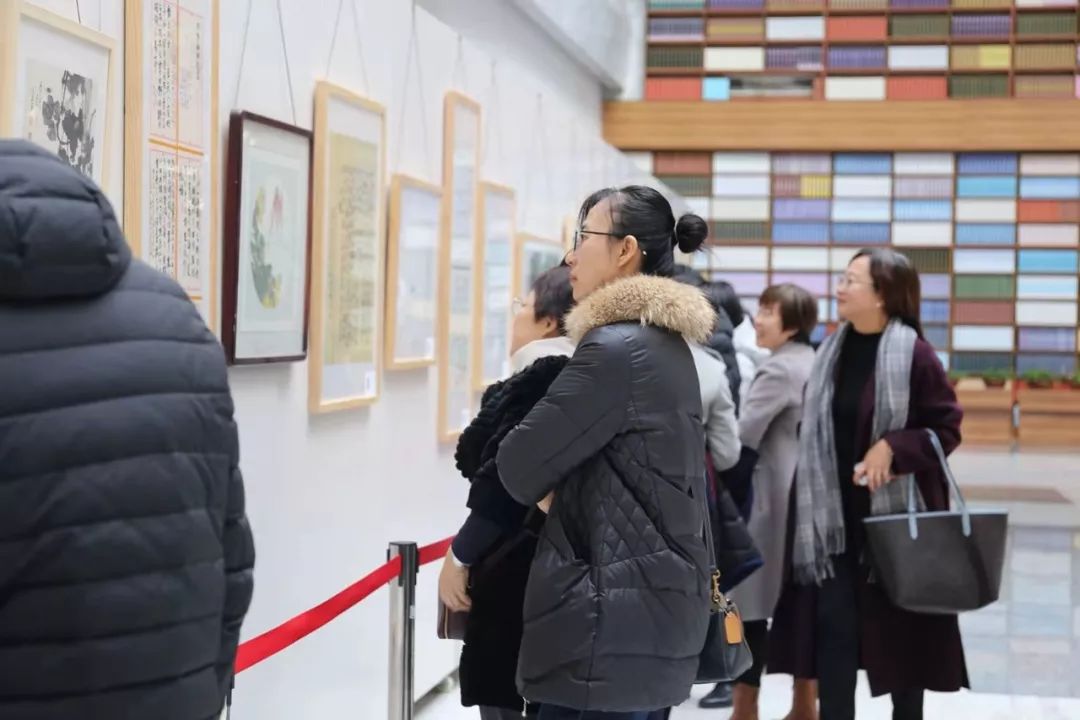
[273,641]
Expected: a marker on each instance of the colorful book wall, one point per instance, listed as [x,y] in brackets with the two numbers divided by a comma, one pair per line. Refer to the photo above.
[862,49]
[995,237]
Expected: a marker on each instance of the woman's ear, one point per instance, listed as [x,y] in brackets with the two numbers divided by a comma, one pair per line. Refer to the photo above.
[629,253]
[551,328]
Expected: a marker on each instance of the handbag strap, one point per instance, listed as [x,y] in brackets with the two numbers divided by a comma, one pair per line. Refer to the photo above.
[716,598]
[954,491]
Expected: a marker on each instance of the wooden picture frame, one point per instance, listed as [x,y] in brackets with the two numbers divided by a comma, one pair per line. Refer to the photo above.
[78,84]
[280,156]
[412,273]
[460,226]
[348,250]
[548,253]
[172,138]
[493,289]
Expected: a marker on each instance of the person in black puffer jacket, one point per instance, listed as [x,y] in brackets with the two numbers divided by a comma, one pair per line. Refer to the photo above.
[125,556]
[617,603]
[487,567]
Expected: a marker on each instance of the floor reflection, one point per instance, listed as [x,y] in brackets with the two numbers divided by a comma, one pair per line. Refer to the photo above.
[1029,642]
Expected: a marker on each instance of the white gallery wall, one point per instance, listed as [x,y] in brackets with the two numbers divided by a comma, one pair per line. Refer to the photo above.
[326,494]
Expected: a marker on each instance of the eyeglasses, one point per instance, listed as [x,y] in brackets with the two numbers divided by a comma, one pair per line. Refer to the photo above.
[518,305]
[843,281]
[582,231]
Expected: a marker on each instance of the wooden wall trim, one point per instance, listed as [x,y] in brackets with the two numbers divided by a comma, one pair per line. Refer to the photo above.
[817,125]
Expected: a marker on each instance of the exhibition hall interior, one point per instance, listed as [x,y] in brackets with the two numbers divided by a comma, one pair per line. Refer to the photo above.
[359,198]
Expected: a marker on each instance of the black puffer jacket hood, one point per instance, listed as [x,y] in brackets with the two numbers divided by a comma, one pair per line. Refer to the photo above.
[58,234]
[617,605]
[125,554]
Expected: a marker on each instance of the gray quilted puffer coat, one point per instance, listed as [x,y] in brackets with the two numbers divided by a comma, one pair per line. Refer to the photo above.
[616,607]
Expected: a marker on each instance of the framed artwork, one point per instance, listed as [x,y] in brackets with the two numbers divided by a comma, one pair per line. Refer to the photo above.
[494,287]
[171,170]
[348,250]
[533,256]
[267,241]
[460,226]
[412,273]
[56,86]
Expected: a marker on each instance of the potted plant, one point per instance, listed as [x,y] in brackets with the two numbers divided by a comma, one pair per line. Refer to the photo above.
[1074,381]
[955,376]
[996,378]
[1038,379]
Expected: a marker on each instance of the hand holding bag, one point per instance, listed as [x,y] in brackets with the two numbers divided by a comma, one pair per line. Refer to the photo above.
[726,654]
[939,562]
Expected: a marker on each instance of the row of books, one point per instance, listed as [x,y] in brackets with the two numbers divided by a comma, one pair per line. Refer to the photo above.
[862,28]
[810,5]
[905,87]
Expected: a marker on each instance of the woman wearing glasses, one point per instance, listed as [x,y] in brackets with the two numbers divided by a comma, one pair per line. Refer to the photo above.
[617,603]
[875,387]
[498,540]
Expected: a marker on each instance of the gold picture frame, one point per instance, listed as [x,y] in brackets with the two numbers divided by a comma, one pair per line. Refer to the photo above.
[149,151]
[348,251]
[414,226]
[460,226]
[31,66]
[491,345]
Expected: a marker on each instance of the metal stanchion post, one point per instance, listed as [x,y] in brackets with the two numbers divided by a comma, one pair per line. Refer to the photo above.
[402,629]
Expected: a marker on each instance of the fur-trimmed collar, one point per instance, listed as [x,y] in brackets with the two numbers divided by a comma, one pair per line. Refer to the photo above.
[650,300]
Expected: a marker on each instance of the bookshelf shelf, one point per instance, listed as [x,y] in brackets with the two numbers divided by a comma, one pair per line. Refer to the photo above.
[923,53]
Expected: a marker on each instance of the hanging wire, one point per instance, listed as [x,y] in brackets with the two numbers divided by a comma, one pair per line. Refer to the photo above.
[285,52]
[78,11]
[333,39]
[542,141]
[360,47]
[243,54]
[459,65]
[413,49]
[493,103]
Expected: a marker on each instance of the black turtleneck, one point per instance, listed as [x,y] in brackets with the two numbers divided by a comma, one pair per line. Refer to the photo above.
[858,358]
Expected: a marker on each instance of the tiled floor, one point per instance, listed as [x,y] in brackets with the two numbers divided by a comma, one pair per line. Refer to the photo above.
[774,705]
[1023,652]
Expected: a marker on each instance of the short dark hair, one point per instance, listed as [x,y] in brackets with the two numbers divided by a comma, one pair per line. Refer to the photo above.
[897,282]
[722,295]
[798,309]
[646,214]
[554,297]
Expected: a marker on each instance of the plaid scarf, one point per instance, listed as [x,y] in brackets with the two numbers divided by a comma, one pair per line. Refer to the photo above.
[819,515]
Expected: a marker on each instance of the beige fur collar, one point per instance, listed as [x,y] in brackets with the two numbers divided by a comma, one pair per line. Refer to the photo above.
[655,301]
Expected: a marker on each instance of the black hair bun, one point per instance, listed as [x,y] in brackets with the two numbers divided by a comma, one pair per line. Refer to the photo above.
[690,232]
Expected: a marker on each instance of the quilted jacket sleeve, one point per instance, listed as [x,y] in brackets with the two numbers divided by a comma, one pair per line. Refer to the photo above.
[239,562]
[582,411]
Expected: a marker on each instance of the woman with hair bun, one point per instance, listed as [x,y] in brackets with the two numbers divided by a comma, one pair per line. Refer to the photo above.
[617,602]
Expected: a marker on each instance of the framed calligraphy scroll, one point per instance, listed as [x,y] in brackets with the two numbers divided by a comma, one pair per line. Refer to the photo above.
[56,86]
[348,250]
[494,286]
[171,142]
[460,225]
[412,273]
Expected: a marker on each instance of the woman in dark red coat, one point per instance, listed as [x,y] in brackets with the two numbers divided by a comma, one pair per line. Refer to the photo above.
[876,387]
